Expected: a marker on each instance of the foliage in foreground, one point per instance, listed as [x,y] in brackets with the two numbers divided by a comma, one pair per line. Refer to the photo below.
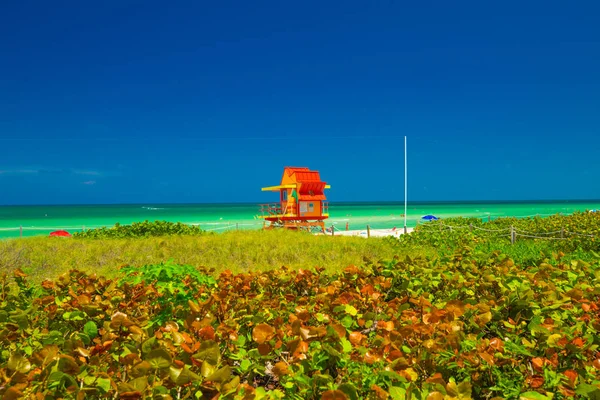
[464,326]
[140,230]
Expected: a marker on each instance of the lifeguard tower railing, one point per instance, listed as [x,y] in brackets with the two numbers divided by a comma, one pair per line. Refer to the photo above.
[273,210]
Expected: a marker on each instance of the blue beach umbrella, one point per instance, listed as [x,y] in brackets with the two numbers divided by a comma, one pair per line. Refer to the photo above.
[430,218]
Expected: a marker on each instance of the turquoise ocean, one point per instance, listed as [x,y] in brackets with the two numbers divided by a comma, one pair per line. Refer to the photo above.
[41,220]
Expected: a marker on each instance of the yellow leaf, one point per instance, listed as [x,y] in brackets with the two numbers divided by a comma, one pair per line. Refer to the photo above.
[262,333]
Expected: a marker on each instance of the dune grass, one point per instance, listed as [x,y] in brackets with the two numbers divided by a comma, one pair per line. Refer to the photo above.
[44,257]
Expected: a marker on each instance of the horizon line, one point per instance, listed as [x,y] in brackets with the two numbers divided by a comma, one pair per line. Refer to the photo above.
[330,202]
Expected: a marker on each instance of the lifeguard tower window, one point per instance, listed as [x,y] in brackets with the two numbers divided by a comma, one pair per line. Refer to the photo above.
[285,195]
[311,207]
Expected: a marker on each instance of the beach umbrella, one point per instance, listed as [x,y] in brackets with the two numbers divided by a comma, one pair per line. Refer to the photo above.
[430,218]
[60,233]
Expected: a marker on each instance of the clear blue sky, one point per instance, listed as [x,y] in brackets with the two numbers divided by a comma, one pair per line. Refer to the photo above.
[152,101]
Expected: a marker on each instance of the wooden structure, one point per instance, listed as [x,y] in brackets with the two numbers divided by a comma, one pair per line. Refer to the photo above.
[301,203]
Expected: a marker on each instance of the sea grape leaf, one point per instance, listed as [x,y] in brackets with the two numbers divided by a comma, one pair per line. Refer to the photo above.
[231,386]
[280,369]
[141,369]
[90,329]
[221,375]
[398,393]
[589,391]
[12,393]
[104,384]
[334,395]
[18,363]
[350,390]
[350,310]
[139,384]
[68,365]
[262,333]
[149,345]
[435,396]
[159,359]
[207,369]
[182,376]
[533,396]
[346,345]
[46,355]
[209,352]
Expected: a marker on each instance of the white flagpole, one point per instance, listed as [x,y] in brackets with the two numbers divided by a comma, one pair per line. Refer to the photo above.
[405,185]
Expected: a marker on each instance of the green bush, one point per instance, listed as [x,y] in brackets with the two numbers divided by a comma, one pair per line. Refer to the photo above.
[140,230]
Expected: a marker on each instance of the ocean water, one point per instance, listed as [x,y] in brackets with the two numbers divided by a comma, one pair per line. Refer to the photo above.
[41,220]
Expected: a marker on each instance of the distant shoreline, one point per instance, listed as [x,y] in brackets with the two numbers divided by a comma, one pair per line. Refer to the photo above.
[365,202]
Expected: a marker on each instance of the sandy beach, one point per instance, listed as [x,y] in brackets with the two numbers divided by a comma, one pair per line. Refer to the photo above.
[373,232]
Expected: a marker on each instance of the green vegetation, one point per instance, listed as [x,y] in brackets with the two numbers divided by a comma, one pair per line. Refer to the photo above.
[140,230]
[43,257]
[464,316]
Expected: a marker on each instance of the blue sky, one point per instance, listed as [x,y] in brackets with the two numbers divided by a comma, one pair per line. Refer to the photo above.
[138,102]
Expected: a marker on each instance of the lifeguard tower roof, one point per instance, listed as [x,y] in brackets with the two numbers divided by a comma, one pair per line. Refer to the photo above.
[308,183]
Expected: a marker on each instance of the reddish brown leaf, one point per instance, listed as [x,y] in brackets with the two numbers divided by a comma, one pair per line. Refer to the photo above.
[334,395]
[537,363]
[130,395]
[578,342]
[339,329]
[455,307]
[436,378]
[280,369]
[262,333]
[536,381]
[207,333]
[371,357]
[497,344]
[379,392]
[571,375]
[488,358]
[264,349]
[352,269]
[355,338]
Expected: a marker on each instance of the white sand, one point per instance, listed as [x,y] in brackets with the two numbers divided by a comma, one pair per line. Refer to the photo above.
[374,232]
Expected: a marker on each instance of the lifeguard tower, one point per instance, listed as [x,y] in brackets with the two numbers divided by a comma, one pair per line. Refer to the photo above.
[301,204]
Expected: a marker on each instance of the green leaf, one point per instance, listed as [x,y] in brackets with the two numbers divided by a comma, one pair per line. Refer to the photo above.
[397,393]
[182,376]
[347,322]
[589,391]
[159,359]
[207,369]
[533,396]
[346,345]
[104,384]
[349,390]
[221,375]
[18,363]
[141,369]
[149,345]
[209,352]
[140,383]
[351,310]
[245,365]
[90,329]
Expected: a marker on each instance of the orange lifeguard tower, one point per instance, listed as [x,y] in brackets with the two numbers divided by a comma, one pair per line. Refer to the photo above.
[302,202]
